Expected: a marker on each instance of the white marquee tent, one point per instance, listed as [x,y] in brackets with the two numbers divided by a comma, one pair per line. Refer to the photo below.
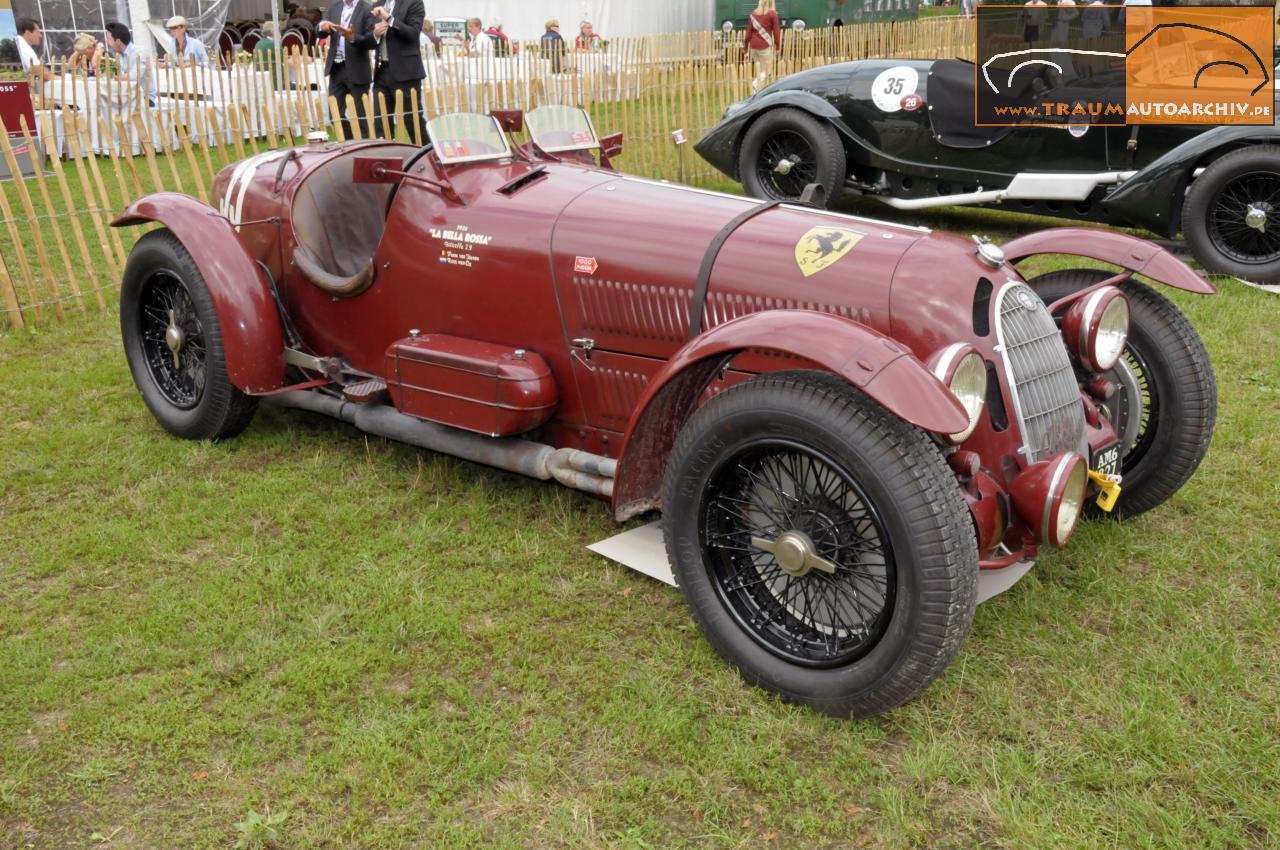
[522,19]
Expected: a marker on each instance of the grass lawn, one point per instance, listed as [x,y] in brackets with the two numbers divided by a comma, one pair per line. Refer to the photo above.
[344,642]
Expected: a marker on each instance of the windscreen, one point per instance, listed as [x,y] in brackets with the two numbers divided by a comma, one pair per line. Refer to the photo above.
[555,129]
[467,137]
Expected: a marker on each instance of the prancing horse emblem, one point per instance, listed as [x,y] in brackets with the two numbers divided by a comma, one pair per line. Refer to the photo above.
[820,247]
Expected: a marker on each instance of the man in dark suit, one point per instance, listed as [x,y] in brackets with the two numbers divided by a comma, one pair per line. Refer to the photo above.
[347,63]
[398,64]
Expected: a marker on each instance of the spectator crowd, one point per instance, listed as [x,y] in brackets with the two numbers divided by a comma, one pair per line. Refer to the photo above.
[375,47]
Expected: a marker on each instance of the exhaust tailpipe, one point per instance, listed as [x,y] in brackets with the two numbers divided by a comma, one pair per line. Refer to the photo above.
[570,467]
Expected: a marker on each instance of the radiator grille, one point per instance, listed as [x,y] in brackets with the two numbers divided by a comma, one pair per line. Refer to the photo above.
[1045,392]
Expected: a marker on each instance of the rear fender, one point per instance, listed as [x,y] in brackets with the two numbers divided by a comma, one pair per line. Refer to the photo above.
[252,341]
[879,366]
[1129,252]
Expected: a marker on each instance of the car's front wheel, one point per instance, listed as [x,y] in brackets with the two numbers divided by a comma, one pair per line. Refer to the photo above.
[785,150]
[1231,219]
[1166,399]
[821,543]
[173,343]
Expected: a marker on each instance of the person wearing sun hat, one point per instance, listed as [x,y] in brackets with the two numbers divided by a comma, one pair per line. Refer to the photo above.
[190,50]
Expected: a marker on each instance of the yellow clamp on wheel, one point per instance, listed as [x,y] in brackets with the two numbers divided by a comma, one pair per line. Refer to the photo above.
[1109,486]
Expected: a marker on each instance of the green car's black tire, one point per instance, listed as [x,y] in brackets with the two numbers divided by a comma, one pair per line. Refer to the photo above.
[164,300]
[1169,366]
[809,144]
[1231,219]
[806,464]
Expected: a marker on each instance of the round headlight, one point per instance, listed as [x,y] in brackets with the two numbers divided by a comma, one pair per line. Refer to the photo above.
[1097,328]
[727,26]
[797,25]
[963,371]
[1049,496]
[1112,334]
[1070,501]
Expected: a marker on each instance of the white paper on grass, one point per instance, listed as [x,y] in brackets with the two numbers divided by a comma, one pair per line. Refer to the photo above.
[642,550]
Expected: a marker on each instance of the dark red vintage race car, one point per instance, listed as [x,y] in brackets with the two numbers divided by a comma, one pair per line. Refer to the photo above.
[843,421]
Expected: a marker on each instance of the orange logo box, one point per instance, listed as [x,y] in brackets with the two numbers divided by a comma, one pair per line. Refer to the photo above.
[1199,65]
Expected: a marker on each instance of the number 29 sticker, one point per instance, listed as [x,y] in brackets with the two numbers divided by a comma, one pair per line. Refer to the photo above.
[892,86]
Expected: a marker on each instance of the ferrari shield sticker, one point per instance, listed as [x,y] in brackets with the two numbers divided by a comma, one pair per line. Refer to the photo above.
[821,247]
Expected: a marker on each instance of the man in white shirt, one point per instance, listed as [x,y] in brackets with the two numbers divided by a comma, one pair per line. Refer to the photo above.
[135,63]
[29,44]
[481,41]
[190,50]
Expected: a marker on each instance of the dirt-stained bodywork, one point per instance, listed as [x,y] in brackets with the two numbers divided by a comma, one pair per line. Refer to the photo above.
[902,131]
[842,420]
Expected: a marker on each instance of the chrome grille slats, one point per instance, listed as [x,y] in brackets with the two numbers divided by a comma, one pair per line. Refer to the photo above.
[1045,393]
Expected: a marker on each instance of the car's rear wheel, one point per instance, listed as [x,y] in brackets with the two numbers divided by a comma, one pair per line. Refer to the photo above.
[1231,219]
[174,344]
[822,544]
[1167,399]
[785,150]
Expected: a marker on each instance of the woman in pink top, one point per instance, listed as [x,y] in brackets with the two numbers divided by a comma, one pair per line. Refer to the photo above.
[763,35]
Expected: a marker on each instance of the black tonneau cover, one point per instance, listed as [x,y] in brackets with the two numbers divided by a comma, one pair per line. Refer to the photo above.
[949,93]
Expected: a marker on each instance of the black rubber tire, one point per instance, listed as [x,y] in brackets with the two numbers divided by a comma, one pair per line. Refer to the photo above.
[1186,393]
[1205,197]
[828,167]
[928,528]
[220,410]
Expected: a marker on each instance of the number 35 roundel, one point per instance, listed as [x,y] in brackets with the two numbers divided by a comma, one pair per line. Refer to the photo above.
[892,85]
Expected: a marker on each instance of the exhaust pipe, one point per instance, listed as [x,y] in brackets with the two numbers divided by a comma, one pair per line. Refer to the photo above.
[570,467]
[1025,186]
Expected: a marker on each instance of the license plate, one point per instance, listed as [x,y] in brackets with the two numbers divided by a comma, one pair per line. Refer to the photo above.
[1107,460]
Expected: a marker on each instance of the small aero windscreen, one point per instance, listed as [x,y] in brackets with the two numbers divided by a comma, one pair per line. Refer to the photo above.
[557,129]
[467,137]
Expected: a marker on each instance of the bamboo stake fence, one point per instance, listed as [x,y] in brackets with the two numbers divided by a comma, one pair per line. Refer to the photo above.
[59,257]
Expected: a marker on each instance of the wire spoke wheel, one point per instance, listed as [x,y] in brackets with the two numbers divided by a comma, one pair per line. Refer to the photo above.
[787,164]
[1231,215]
[174,344]
[1135,408]
[785,150]
[173,340]
[807,616]
[821,543]
[1244,218]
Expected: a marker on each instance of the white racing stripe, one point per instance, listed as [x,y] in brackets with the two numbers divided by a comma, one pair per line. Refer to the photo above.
[241,179]
[224,206]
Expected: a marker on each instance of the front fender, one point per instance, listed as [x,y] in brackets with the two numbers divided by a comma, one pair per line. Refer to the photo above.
[883,369]
[1137,255]
[252,341]
[1144,199]
[720,145]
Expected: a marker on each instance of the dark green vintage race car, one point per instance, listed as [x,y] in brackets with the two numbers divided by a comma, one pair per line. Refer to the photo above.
[903,131]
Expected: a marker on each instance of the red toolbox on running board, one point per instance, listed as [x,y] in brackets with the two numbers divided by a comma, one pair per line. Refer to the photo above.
[483,387]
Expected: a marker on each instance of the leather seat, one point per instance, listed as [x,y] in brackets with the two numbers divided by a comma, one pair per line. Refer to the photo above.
[338,224]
